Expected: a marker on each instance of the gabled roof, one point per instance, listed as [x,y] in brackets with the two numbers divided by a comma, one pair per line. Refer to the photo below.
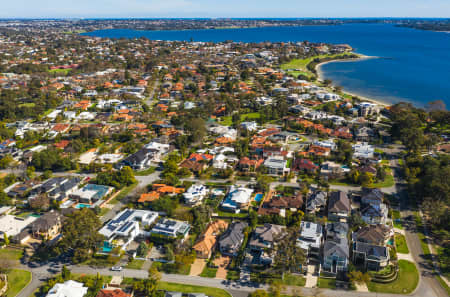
[330,248]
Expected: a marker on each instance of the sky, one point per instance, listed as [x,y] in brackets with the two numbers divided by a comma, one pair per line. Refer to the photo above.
[222,8]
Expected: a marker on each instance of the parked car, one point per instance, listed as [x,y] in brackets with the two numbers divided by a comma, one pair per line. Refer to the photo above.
[116,268]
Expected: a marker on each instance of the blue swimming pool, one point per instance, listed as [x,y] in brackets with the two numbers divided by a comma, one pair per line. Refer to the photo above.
[258,197]
[82,205]
[107,247]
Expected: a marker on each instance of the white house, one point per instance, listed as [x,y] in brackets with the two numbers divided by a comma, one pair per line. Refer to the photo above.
[237,198]
[69,288]
[195,194]
[127,225]
[363,150]
[249,126]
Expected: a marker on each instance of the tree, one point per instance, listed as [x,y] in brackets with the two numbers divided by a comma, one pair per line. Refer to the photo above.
[65,273]
[288,255]
[40,202]
[80,235]
[142,249]
[6,239]
[358,277]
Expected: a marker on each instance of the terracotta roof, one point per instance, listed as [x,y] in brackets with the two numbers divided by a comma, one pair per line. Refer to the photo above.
[112,293]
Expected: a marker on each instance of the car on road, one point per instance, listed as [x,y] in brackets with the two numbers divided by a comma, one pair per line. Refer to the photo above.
[116,268]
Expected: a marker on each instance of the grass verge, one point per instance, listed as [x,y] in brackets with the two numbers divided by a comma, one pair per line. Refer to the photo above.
[212,292]
[326,283]
[135,264]
[17,280]
[294,280]
[209,272]
[400,244]
[123,193]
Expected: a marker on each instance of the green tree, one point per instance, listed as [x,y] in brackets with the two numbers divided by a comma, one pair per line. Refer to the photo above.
[80,235]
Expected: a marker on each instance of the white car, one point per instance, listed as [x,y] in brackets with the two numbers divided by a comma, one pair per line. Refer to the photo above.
[116,268]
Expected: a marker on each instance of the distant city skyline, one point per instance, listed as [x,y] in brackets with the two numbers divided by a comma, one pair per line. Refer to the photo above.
[217,9]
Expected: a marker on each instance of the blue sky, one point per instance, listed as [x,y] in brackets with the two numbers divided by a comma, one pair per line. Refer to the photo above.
[224,8]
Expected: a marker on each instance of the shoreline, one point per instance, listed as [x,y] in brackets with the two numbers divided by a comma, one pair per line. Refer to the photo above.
[362,57]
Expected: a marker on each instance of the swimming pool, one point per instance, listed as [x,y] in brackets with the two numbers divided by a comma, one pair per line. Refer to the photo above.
[82,205]
[258,197]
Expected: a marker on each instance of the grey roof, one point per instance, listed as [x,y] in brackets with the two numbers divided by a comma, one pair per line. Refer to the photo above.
[336,231]
[265,233]
[315,200]
[375,252]
[234,235]
[330,247]
[339,202]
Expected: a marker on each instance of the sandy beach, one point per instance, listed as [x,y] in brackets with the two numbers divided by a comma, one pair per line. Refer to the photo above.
[320,77]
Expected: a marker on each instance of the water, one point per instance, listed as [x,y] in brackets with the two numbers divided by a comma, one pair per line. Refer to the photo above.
[82,205]
[415,64]
[258,197]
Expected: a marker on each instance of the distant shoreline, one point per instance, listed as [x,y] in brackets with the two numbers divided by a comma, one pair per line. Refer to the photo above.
[320,76]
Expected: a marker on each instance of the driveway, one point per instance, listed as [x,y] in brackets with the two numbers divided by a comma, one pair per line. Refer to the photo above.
[222,271]
[197,267]
[311,277]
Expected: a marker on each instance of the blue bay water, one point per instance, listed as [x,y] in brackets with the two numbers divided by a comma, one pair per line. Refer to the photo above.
[414,65]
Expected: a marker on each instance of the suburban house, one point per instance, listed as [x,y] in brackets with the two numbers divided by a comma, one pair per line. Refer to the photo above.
[91,193]
[58,188]
[231,240]
[279,204]
[142,159]
[316,202]
[373,210]
[330,170]
[336,249]
[112,292]
[373,234]
[373,257]
[335,256]
[195,194]
[207,241]
[310,239]
[171,228]
[263,240]
[47,226]
[339,206]
[126,226]
[237,198]
[305,165]
[69,288]
[276,165]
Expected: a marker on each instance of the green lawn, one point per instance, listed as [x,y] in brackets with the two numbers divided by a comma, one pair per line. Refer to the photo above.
[9,253]
[294,280]
[123,193]
[400,244]
[212,292]
[301,64]
[406,282]
[17,280]
[209,272]
[226,121]
[232,215]
[386,183]
[396,216]
[60,71]
[250,116]
[233,275]
[326,283]
[135,264]
[145,172]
